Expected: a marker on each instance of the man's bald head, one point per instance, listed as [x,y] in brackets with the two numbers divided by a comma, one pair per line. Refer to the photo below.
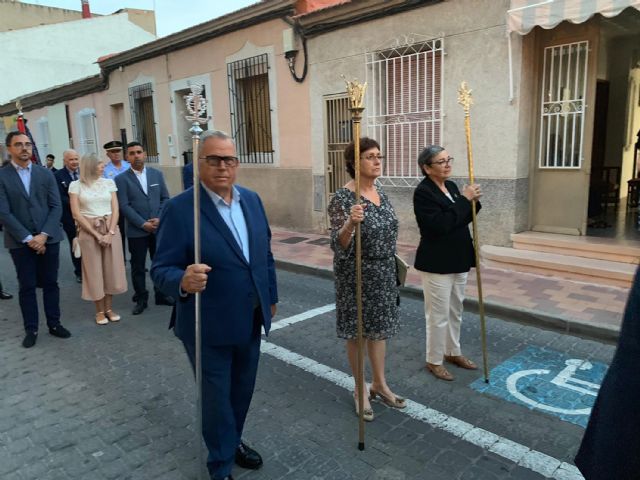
[71,159]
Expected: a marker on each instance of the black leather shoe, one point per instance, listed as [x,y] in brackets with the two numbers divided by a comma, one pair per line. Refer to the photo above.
[165,301]
[247,457]
[5,295]
[78,278]
[212,477]
[59,331]
[30,339]
[139,308]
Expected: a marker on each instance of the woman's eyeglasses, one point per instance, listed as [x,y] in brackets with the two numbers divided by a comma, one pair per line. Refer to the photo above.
[373,157]
[447,161]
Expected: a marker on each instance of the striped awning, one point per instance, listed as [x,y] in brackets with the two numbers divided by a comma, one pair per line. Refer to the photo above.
[523,15]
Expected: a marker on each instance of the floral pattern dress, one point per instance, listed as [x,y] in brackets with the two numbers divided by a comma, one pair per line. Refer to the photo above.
[379,232]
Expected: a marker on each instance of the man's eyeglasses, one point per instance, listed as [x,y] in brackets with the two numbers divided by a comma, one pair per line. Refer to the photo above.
[216,161]
[22,145]
[373,157]
[447,161]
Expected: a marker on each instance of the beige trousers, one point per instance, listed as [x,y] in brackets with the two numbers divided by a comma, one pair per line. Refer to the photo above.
[102,267]
[443,297]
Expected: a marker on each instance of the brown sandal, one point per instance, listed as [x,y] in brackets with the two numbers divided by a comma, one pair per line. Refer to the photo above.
[440,372]
[461,361]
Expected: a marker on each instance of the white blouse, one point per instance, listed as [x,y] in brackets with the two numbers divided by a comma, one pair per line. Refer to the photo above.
[95,200]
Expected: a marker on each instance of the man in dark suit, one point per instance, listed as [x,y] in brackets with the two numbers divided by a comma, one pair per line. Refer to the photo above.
[50,161]
[237,281]
[610,448]
[64,177]
[30,212]
[187,176]
[142,193]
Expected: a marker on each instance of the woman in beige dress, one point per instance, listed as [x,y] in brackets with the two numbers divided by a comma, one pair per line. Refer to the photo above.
[94,206]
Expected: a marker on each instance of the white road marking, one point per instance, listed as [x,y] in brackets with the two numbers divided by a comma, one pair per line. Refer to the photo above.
[285,322]
[522,455]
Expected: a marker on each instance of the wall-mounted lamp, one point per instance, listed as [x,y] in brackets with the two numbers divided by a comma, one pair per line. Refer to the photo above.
[121,68]
[291,52]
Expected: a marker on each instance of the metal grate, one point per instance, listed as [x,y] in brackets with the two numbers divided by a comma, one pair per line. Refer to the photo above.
[338,135]
[251,108]
[143,123]
[564,86]
[404,107]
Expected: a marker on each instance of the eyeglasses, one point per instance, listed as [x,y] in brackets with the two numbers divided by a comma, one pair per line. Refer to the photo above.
[447,161]
[373,157]
[23,145]
[216,161]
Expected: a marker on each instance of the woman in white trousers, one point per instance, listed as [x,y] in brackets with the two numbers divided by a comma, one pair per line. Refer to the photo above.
[444,257]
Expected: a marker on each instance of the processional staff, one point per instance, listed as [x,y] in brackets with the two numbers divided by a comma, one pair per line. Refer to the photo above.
[465,99]
[197,108]
[355,91]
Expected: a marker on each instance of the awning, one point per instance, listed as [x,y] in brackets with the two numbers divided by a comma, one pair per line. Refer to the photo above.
[523,15]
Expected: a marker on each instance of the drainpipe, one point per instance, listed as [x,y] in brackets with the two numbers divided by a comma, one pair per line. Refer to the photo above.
[86,11]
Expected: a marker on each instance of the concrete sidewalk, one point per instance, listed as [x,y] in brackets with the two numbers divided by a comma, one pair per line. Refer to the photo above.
[565,305]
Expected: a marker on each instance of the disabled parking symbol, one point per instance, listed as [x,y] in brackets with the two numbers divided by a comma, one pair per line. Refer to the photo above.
[548,381]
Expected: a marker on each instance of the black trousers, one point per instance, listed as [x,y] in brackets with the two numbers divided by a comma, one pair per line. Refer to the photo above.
[70,230]
[138,248]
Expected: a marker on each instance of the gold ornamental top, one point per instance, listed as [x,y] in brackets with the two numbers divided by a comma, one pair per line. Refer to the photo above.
[464,97]
[355,90]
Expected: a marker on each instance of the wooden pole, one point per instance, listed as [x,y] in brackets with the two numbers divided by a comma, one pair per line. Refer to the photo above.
[356,96]
[465,99]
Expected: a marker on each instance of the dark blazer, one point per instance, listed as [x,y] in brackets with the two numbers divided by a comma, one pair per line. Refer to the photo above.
[610,448]
[136,206]
[229,299]
[25,214]
[187,176]
[63,179]
[445,242]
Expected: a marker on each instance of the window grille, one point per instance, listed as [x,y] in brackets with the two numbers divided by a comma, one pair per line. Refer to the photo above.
[564,86]
[338,134]
[87,131]
[143,123]
[43,136]
[251,109]
[404,105]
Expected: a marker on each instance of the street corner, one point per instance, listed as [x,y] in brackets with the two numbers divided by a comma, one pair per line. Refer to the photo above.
[547,381]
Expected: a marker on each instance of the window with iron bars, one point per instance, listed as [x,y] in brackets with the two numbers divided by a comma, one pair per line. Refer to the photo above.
[564,86]
[251,109]
[142,119]
[404,105]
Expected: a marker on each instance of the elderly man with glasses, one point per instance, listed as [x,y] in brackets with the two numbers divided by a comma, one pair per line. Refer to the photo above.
[237,280]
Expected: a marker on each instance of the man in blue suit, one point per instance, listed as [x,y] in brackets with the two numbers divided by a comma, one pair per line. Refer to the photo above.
[142,194]
[30,213]
[64,176]
[237,280]
[187,176]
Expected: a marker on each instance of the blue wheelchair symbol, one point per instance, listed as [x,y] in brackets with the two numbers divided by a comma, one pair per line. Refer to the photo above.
[548,381]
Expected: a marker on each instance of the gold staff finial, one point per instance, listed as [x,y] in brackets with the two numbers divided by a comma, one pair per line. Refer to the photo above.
[464,97]
[355,90]
[19,107]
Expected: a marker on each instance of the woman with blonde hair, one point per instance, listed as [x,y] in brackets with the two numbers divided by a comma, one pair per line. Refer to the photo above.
[94,206]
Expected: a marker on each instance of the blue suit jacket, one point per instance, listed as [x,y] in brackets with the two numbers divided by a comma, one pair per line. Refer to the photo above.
[187,176]
[63,179]
[228,301]
[25,214]
[137,206]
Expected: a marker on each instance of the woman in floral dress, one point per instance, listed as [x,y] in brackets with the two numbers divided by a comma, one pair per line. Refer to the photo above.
[379,232]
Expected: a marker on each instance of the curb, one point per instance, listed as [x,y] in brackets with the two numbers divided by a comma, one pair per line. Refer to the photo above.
[502,311]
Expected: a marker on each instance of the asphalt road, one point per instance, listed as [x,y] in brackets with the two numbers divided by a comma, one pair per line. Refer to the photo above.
[117,401]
